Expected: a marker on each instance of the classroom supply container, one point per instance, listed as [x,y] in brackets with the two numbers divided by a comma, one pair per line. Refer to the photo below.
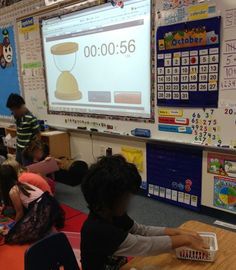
[195,255]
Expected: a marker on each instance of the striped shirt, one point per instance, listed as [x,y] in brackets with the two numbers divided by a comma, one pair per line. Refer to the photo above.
[27,128]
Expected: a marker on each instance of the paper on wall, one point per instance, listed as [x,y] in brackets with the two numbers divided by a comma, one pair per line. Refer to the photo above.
[133,155]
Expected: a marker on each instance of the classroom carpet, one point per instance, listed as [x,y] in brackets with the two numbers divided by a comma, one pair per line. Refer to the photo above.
[143,209]
[74,220]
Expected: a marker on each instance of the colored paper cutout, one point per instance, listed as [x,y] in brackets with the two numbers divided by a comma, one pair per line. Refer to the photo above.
[177,129]
[134,156]
[170,112]
[173,120]
[198,12]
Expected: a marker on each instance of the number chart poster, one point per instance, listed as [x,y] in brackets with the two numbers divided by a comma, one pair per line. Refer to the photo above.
[9,82]
[225,193]
[188,64]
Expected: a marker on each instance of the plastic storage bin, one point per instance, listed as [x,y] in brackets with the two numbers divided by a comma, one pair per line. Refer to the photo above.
[195,255]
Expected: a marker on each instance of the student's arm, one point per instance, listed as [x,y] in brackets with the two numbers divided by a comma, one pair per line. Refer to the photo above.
[143,230]
[139,229]
[17,204]
[58,161]
[136,245]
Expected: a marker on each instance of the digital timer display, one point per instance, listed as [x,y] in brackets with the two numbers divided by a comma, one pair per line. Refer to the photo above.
[123,47]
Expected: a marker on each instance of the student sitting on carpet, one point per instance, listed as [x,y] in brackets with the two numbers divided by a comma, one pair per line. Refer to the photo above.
[109,235]
[72,174]
[45,184]
[37,212]
[36,151]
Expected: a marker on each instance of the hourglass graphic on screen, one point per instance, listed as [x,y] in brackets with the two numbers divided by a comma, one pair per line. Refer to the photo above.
[64,55]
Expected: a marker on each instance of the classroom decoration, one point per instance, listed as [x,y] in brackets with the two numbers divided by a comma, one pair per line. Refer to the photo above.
[228,74]
[117,3]
[188,64]
[32,65]
[172,12]
[221,164]
[174,175]
[8,67]
[225,193]
[173,4]
[173,121]
[206,129]
[133,155]
[219,181]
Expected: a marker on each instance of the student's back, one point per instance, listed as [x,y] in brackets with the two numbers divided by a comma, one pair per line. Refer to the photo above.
[35,193]
[35,180]
[101,239]
[109,235]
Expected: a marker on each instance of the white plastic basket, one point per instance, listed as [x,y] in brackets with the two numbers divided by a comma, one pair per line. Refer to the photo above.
[194,255]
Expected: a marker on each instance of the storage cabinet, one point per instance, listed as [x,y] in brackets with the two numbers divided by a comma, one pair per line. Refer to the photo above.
[58,142]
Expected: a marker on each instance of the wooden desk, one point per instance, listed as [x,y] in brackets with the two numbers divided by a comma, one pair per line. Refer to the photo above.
[226,256]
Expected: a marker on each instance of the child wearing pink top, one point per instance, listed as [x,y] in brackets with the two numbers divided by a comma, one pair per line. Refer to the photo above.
[37,212]
[35,180]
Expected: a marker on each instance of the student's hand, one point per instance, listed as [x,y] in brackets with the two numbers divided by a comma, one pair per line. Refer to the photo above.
[58,161]
[176,231]
[187,232]
[197,242]
[47,158]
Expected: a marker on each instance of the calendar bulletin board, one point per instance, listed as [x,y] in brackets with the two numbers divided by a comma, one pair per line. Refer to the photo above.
[188,64]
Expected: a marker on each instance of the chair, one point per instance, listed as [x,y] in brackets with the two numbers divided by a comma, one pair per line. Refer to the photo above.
[51,253]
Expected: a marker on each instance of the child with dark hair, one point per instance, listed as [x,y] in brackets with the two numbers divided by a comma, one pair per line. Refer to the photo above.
[29,178]
[109,235]
[37,212]
[26,123]
[38,151]
[35,151]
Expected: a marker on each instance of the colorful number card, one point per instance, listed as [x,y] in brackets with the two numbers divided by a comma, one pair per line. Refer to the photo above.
[188,56]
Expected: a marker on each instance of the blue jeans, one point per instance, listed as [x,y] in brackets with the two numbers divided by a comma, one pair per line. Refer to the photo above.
[20,158]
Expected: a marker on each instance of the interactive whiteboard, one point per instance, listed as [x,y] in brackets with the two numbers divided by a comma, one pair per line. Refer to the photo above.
[98,60]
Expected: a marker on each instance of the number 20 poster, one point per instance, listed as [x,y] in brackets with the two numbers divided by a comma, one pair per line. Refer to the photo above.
[188,56]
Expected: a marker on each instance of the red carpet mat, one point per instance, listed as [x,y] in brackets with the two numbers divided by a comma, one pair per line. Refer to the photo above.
[74,219]
[70,212]
[12,257]
[75,224]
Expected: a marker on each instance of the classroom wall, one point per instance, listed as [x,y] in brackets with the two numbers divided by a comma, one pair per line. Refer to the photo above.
[87,148]
[221,118]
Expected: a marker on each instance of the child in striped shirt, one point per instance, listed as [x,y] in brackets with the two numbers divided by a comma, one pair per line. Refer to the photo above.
[26,123]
